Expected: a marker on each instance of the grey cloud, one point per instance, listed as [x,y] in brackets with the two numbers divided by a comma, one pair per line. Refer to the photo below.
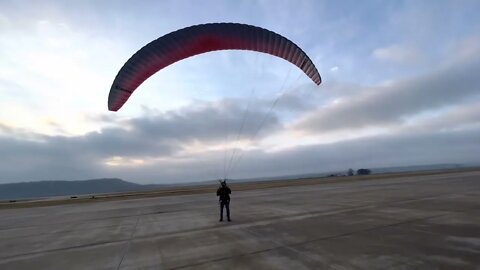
[300,99]
[389,105]
[204,121]
[5,128]
[102,118]
[459,117]
[24,160]
[27,155]
[31,160]
[378,151]
[398,54]
[11,88]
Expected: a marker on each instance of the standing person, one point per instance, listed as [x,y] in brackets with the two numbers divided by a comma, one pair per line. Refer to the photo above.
[224,197]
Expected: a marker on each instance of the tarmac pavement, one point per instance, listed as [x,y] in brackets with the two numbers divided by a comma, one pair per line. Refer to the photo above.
[415,222]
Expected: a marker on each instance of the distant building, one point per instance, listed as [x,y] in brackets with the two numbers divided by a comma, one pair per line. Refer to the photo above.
[363,171]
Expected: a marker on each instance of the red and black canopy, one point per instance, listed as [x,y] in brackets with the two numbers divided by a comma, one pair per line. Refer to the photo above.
[200,39]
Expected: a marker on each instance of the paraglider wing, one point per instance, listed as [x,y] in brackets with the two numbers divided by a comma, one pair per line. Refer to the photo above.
[200,39]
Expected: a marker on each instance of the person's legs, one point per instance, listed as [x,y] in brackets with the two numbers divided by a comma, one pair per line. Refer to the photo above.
[221,210]
[227,205]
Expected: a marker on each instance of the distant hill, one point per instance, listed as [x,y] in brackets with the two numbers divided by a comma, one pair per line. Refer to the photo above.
[40,189]
[415,168]
[374,170]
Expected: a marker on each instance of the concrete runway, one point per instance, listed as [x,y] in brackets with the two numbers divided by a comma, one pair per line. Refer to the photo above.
[422,222]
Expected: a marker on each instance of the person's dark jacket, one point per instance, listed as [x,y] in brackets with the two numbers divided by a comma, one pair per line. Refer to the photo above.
[224,193]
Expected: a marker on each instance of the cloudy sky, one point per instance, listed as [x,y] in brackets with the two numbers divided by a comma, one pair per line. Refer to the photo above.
[400,87]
